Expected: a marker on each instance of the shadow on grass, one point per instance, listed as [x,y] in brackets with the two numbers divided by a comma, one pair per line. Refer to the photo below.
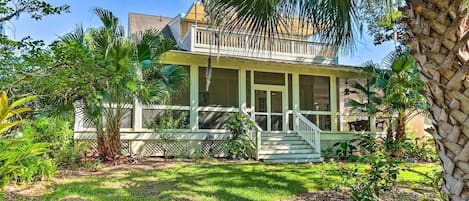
[201,182]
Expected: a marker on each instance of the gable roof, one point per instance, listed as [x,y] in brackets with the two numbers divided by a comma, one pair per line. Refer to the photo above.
[141,22]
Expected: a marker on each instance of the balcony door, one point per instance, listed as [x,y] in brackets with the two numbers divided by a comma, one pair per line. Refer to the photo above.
[269,102]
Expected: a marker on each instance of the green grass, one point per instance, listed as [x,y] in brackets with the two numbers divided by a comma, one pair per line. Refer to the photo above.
[211,182]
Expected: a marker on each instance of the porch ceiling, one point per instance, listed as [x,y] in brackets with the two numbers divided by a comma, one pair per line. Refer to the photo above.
[223,61]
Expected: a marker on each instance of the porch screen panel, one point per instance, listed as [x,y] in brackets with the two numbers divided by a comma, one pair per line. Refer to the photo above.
[158,118]
[269,78]
[126,120]
[222,90]
[350,118]
[182,98]
[212,120]
[314,93]
[322,121]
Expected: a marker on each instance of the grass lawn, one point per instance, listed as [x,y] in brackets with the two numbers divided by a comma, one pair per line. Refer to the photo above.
[225,181]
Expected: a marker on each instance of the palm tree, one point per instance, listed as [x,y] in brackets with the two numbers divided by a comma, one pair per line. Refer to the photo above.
[438,32]
[393,91]
[130,72]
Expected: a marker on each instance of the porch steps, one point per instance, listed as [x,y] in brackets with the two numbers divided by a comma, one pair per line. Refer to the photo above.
[286,148]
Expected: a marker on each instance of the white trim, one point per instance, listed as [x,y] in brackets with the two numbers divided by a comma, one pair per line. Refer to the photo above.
[242,88]
[333,101]
[253,104]
[194,97]
[217,109]
[286,120]
[137,116]
[165,107]
[296,99]
[308,112]
[268,89]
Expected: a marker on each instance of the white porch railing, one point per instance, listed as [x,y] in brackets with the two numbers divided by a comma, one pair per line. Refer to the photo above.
[309,132]
[254,134]
[242,44]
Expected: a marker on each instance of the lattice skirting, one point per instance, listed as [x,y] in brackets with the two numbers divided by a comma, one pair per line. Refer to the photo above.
[169,148]
[125,146]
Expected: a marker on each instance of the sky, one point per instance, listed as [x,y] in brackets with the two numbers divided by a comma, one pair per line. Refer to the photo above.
[50,27]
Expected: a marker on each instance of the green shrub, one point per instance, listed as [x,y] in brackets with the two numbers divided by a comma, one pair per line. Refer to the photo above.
[344,150]
[57,132]
[239,143]
[23,161]
[379,177]
[162,126]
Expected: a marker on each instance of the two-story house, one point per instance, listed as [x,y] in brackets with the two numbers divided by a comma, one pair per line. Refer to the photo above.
[292,87]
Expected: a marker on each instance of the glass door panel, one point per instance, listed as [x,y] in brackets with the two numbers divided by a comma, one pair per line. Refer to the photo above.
[276,102]
[268,111]
[276,123]
[261,109]
[276,111]
[261,101]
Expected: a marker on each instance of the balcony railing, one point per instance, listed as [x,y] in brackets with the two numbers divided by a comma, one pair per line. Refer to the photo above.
[241,44]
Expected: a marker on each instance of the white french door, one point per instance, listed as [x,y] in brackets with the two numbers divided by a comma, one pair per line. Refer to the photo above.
[269,107]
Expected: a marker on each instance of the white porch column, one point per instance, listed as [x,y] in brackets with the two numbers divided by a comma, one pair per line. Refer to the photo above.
[333,95]
[194,97]
[137,116]
[285,105]
[242,88]
[295,98]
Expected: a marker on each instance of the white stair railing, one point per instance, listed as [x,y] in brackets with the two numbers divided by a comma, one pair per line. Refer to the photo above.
[254,134]
[309,132]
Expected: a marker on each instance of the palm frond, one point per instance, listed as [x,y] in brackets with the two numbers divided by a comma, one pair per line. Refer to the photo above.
[332,21]
[109,20]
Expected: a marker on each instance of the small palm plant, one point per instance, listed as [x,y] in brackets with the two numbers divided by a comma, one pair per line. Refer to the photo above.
[20,159]
[393,92]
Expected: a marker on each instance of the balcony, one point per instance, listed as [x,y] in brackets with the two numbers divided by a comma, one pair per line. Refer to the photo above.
[204,40]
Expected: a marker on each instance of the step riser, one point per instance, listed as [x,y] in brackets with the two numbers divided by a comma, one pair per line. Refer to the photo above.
[314,160]
[285,147]
[281,138]
[296,142]
[292,151]
[288,156]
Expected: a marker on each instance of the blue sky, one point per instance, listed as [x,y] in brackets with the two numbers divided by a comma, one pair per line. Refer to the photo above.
[50,27]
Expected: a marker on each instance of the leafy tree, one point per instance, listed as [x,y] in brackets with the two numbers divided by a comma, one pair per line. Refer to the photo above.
[384,21]
[37,9]
[110,72]
[438,36]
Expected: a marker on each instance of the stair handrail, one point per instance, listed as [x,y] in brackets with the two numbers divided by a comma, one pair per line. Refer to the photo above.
[254,134]
[309,131]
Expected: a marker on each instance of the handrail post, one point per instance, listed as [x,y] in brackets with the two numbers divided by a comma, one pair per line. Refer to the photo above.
[317,141]
[258,143]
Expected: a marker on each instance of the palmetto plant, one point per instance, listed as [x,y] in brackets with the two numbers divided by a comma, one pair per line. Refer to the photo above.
[438,35]
[393,92]
[130,71]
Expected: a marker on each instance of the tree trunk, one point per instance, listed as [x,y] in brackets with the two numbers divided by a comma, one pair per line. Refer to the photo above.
[400,130]
[438,34]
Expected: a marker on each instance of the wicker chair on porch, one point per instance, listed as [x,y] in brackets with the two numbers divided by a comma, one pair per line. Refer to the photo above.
[359,125]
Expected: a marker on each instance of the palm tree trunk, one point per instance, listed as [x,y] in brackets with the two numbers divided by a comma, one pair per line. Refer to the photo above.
[438,33]
[400,130]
